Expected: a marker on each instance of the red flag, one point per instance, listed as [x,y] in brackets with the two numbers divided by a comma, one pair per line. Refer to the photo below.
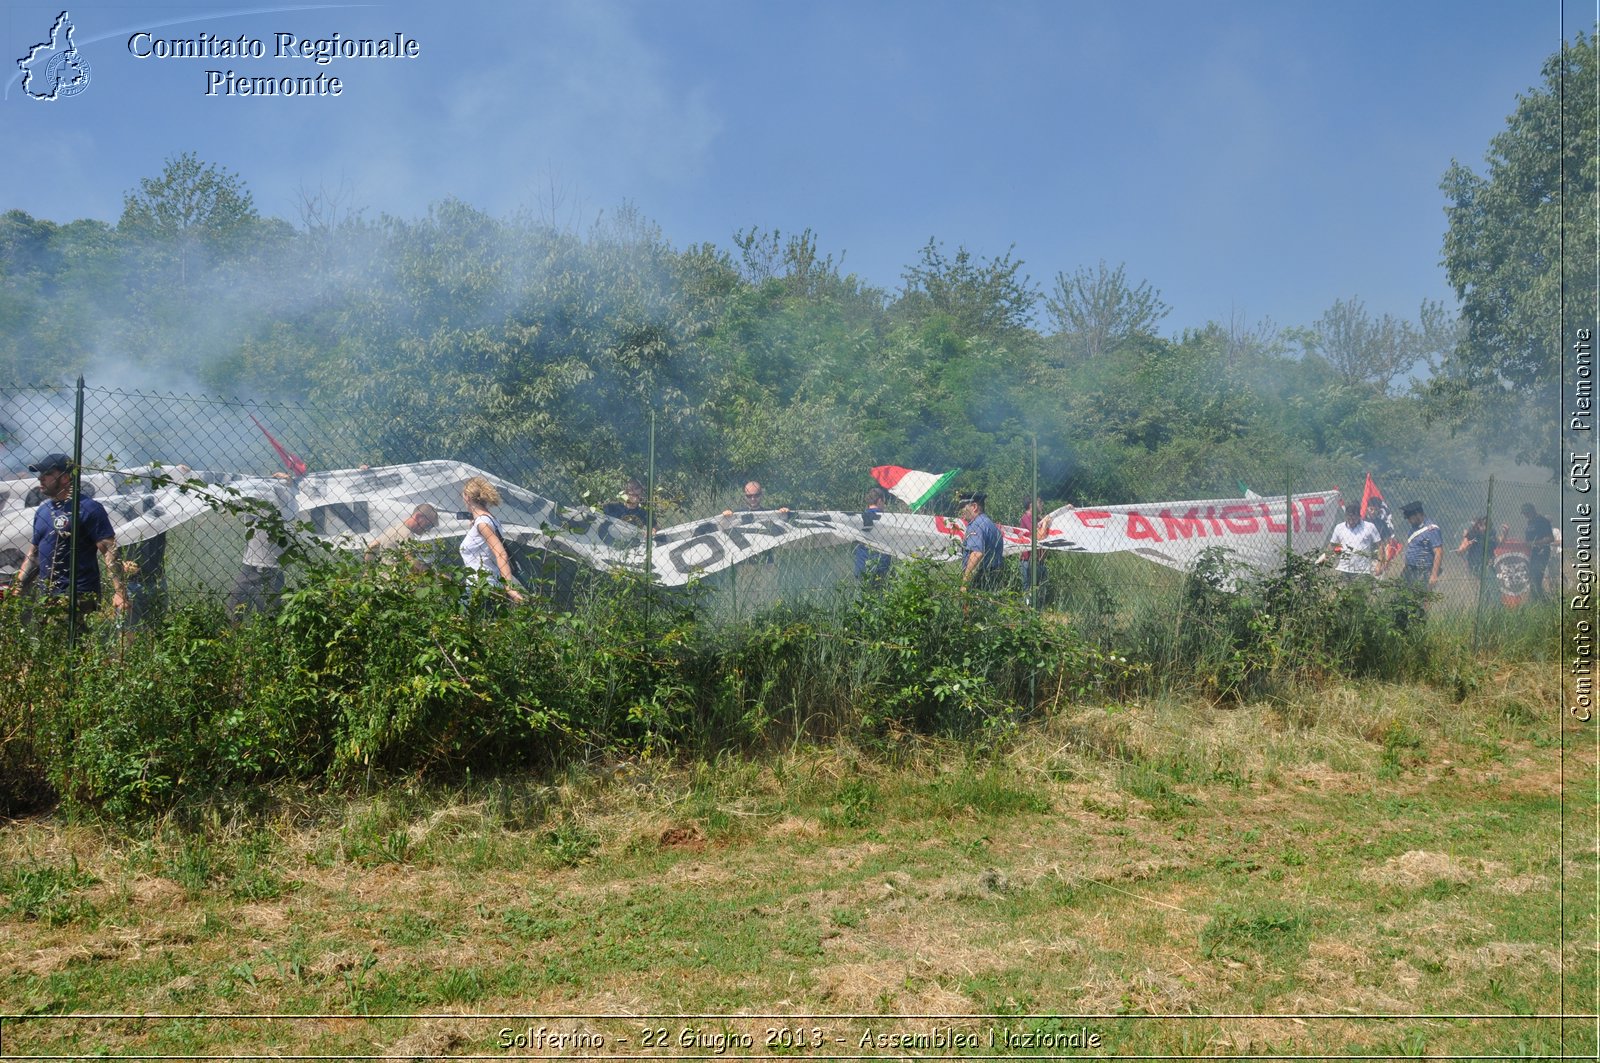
[290,461]
[1375,509]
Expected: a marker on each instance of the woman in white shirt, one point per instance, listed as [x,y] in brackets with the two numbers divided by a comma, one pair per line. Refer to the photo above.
[483,551]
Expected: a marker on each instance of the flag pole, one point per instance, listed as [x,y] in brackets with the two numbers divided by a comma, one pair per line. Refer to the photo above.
[1033,567]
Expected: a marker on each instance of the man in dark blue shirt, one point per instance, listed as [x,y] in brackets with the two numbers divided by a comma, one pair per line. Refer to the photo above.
[63,550]
[1540,535]
[872,564]
[982,550]
[631,506]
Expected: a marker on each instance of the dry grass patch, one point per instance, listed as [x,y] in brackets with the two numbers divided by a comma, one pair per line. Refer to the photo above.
[1164,858]
[1415,869]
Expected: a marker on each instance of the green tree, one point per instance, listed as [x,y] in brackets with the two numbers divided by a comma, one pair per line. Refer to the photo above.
[193,212]
[1370,352]
[978,295]
[1094,310]
[1508,231]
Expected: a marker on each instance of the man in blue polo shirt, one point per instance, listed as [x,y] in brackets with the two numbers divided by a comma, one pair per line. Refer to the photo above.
[1424,548]
[66,555]
[982,550]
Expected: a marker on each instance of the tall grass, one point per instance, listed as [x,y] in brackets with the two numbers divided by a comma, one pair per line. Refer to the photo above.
[368,672]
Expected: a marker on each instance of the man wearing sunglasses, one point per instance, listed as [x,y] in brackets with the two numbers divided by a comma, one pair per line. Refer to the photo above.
[755,499]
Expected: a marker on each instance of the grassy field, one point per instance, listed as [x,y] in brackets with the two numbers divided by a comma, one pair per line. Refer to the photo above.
[1374,870]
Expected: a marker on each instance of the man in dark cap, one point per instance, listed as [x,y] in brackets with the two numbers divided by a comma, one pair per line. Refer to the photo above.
[1424,551]
[981,549]
[64,549]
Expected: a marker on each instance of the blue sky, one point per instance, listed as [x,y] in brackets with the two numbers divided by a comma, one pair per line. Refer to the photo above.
[1253,159]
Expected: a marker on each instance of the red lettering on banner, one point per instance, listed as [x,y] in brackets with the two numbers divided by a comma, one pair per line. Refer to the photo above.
[1313,507]
[1015,535]
[1187,525]
[1266,513]
[1239,519]
[1092,518]
[948,527]
[1140,528]
[1211,518]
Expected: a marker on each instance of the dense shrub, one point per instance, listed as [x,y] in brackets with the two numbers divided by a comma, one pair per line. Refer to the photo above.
[950,662]
[366,672]
[1238,634]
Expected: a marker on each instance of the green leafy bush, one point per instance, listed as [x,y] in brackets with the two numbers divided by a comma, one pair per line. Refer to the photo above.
[1238,634]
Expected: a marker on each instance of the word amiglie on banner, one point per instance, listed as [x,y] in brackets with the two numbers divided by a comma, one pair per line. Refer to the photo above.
[1256,530]
[349,508]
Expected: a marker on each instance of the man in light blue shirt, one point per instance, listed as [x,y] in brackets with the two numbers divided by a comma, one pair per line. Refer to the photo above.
[982,549]
[1424,549]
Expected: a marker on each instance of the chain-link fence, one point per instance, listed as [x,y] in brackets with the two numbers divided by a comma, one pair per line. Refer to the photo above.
[191,484]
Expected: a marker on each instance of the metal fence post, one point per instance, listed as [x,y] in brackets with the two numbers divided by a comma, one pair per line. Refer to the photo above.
[1034,561]
[1288,521]
[650,523]
[1486,561]
[72,526]
[1033,529]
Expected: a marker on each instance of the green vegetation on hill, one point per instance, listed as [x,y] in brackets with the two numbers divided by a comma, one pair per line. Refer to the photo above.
[466,336]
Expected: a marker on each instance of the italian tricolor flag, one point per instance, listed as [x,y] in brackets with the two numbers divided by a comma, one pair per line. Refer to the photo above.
[916,489]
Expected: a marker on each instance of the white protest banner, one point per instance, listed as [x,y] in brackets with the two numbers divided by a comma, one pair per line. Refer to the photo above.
[348,508]
[1256,530]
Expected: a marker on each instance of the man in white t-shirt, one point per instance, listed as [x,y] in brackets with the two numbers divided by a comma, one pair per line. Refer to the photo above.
[1356,543]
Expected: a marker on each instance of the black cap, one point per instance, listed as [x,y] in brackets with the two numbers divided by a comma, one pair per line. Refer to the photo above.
[963,497]
[1410,508]
[51,463]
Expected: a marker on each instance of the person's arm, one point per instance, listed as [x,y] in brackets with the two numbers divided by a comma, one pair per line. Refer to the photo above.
[502,560]
[974,559]
[1438,560]
[119,589]
[29,569]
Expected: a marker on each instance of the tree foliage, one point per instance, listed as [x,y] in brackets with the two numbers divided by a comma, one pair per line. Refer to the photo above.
[541,352]
[978,295]
[1520,255]
[1368,352]
[192,213]
[1094,310]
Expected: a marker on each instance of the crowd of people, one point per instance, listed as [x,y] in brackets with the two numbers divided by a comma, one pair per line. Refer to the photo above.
[1366,549]
[68,550]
